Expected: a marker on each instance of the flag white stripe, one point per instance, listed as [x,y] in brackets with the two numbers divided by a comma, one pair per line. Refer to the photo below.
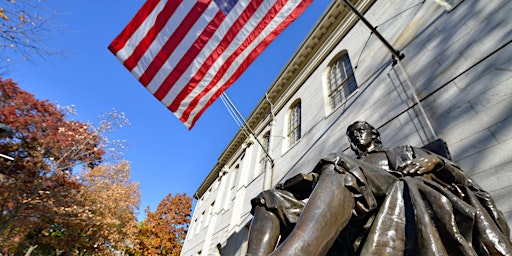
[285,11]
[139,34]
[162,37]
[181,49]
[209,67]
[207,50]
[235,44]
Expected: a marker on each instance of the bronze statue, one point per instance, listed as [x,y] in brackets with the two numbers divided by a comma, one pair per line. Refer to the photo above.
[398,201]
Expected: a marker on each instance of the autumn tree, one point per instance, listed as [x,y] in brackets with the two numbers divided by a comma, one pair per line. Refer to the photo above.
[111,200]
[163,231]
[25,27]
[45,148]
[43,204]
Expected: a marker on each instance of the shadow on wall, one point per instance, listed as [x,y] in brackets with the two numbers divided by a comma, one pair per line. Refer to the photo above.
[236,244]
[470,59]
[464,81]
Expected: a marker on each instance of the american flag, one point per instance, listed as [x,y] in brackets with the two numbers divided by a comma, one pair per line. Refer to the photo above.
[187,53]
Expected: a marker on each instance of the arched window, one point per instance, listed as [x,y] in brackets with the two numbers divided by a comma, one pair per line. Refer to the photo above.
[341,82]
[294,123]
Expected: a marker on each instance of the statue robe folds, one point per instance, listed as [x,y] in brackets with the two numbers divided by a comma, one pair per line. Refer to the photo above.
[439,213]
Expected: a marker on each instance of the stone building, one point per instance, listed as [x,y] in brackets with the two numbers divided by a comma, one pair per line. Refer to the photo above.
[454,83]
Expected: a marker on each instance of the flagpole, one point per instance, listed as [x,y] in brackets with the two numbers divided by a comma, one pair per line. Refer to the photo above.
[247,126]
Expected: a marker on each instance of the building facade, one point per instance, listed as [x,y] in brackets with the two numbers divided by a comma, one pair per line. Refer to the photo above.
[454,82]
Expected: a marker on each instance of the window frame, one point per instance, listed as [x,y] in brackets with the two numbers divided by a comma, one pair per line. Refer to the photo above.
[294,133]
[338,92]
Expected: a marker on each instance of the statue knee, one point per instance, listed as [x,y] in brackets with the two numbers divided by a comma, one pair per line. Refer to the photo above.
[264,232]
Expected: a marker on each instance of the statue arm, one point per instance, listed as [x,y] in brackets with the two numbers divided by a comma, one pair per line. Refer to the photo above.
[427,162]
[300,185]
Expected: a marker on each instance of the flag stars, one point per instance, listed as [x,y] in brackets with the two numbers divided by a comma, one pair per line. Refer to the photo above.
[203,52]
[226,5]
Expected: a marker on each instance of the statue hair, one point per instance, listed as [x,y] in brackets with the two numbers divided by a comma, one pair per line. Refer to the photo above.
[375,133]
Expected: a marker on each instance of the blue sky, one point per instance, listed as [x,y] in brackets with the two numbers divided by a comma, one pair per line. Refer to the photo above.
[165,156]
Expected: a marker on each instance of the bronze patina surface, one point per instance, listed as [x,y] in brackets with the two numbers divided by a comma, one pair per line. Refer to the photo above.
[389,201]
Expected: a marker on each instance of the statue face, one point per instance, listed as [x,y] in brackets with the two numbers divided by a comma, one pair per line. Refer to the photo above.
[361,138]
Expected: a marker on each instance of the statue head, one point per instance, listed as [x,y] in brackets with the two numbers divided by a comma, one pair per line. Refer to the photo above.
[363,137]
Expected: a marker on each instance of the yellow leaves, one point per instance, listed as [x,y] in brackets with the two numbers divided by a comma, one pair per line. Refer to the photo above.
[111,198]
[2,15]
[29,26]
[94,209]
[22,17]
[162,229]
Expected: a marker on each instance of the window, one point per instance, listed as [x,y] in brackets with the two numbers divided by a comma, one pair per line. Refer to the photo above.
[340,80]
[263,156]
[294,123]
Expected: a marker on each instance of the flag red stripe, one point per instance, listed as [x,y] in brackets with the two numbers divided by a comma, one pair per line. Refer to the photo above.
[225,66]
[192,52]
[120,41]
[252,56]
[171,44]
[225,42]
[160,22]
[187,53]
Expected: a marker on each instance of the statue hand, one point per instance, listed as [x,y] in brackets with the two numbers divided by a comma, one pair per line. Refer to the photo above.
[419,166]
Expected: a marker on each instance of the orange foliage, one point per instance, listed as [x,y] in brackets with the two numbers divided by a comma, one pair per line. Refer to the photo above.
[111,200]
[42,202]
[45,148]
[163,231]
